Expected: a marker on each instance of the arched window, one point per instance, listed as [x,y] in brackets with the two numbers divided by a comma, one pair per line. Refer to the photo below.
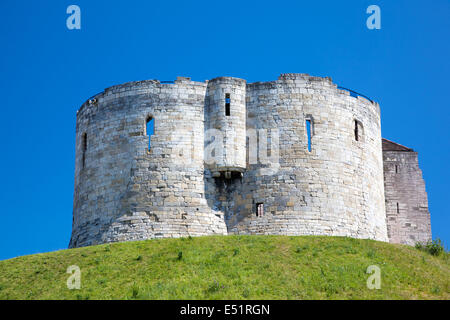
[149,129]
[358,130]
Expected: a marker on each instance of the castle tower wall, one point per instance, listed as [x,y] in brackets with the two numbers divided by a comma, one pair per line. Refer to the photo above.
[334,189]
[298,157]
[226,116]
[407,214]
[124,191]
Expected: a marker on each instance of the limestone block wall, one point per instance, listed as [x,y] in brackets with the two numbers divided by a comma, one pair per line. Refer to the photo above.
[407,214]
[336,189]
[126,192]
[226,121]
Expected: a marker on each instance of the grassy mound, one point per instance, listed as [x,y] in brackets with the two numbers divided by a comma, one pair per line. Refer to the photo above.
[230,267]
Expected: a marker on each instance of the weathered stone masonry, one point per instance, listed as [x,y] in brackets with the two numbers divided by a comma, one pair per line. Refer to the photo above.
[126,191]
[408,218]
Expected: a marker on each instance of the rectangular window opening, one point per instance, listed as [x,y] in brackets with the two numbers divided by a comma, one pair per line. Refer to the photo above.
[259,209]
[309,133]
[150,130]
[396,168]
[356,131]
[398,208]
[227,104]
[84,148]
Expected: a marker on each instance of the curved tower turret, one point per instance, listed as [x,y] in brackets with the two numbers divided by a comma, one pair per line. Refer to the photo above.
[330,175]
[225,116]
[135,182]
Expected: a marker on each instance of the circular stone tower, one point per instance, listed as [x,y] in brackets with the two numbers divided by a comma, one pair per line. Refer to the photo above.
[139,165]
[297,156]
[327,176]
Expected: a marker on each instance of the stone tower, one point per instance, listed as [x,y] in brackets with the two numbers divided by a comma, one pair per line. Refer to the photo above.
[408,218]
[126,191]
[295,156]
[227,121]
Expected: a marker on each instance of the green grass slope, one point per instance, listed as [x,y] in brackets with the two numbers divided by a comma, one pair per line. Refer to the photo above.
[230,267]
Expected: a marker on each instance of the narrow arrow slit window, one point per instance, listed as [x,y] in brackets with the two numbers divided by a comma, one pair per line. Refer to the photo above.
[149,129]
[84,149]
[309,132]
[227,104]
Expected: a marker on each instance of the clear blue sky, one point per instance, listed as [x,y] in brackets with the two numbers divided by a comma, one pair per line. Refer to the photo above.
[48,71]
